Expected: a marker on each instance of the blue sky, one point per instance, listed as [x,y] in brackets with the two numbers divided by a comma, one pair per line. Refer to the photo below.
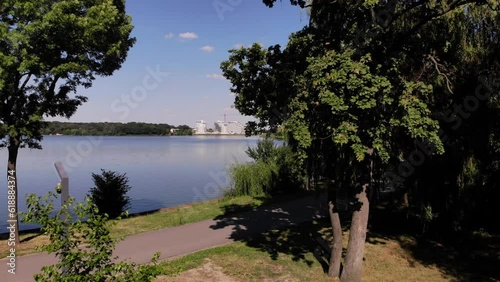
[184,42]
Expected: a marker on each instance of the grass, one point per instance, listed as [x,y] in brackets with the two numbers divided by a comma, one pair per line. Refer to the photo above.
[176,216]
[164,218]
[291,254]
[247,264]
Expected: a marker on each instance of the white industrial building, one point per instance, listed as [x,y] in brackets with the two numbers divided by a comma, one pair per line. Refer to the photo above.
[201,127]
[220,127]
[234,127]
[230,127]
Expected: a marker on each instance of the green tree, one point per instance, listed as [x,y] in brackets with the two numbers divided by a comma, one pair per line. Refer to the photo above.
[363,95]
[81,239]
[47,49]
[110,193]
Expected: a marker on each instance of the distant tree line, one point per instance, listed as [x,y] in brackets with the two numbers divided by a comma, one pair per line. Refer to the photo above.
[114,128]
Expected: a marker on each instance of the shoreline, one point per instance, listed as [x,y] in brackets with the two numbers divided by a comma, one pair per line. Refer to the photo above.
[277,198]
[131,215]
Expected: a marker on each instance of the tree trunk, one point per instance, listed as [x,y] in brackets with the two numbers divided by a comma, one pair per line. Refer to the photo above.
[12,194]
[336,256]
[353,264]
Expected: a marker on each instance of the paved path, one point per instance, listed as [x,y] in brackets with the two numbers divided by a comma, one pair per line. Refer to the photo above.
[189,238]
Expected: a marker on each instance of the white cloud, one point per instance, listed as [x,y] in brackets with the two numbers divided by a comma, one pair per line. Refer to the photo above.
[215,76]
[188,35]
[207,48]
[238,46]
[169,35]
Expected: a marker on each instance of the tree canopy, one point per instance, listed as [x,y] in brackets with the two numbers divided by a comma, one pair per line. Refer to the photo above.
[47,50]
[371,89]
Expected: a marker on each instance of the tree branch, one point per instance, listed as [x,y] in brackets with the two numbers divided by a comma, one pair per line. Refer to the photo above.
[53,85]
[25,81]
[436,65]
[431,17]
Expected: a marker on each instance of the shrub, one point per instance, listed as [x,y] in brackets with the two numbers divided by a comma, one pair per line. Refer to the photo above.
[253,179]
[265,150]
[109,193]
[82,243]
[275,170]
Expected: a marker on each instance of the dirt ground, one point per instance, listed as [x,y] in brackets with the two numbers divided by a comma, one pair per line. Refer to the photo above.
[209,272]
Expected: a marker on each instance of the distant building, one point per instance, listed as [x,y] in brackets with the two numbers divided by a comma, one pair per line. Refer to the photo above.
[201,127]
[220,127]
[234,127]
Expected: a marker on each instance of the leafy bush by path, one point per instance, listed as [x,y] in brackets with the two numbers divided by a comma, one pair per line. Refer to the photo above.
[110,193]
[253,179]
[275,170]
[83,245]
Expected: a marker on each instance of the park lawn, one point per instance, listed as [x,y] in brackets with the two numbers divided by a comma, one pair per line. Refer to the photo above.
[163,218]
[289,255]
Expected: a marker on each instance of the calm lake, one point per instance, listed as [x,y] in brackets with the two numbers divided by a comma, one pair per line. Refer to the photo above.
[162,171]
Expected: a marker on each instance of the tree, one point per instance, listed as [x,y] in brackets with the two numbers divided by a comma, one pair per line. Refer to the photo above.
[81,239]
[367,92]
[48,49]
[110,193]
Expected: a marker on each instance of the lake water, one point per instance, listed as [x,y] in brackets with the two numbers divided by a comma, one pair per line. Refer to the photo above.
[162,171]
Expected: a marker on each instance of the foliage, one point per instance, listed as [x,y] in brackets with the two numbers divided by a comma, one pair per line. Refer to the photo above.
[394,84]
[183,130]
[275,170]
[265,150]
[113,129]
[385,79]
[109,194]
[50,48]
[47,50]
[252,179]
[164,218]
[83,244]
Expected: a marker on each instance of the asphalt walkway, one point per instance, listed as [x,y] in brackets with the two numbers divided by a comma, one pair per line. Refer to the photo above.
[188,238]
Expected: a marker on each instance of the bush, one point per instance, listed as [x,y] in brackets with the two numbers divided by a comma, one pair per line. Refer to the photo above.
[275,170]
[265,150]
[109,193]
[82,243]
[253,179]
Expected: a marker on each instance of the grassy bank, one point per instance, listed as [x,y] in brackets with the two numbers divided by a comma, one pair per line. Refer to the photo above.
[163,218]
[293,254]
[286,259]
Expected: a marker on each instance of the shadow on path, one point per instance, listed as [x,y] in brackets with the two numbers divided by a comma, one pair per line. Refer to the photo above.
[287,229]
[294,229]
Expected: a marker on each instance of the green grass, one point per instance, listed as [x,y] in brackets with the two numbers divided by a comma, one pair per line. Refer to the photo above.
[184,214]
[248,264]
[164,218]
[289,255]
